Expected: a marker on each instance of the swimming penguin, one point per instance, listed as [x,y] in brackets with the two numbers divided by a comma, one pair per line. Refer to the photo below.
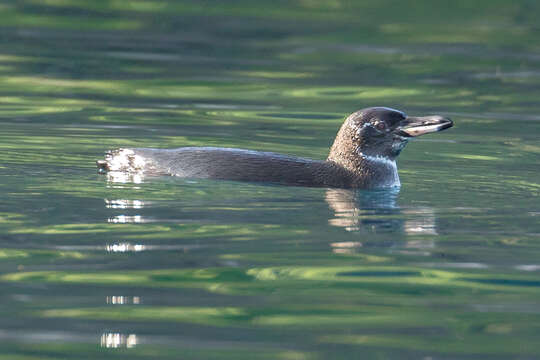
[363,156]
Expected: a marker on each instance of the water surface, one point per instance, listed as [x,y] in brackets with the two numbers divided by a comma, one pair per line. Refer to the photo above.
[164,268]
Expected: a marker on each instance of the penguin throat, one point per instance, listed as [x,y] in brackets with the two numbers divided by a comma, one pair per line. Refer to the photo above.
[384,168]
[378,159]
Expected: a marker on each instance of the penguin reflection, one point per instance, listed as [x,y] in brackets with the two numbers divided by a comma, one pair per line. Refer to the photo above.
[371,211]
[377,212]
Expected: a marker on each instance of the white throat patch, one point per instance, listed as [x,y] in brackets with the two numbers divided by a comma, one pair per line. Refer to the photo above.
[389,164]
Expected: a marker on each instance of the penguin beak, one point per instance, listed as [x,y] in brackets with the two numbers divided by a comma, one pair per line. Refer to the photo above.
[416,126]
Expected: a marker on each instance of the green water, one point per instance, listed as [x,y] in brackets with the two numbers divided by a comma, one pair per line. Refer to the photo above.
[95,268]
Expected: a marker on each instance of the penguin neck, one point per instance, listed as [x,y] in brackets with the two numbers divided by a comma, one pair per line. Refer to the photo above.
[369,171]
[382,169]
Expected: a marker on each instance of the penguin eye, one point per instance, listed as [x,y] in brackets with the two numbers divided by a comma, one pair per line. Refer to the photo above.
[380,125]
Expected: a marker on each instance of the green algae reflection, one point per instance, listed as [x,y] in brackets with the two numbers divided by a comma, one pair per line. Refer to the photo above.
[372,299]
[252,281]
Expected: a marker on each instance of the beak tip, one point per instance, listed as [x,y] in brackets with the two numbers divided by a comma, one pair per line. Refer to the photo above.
[447,123]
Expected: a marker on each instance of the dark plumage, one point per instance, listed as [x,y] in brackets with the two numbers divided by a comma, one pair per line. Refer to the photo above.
[362,156]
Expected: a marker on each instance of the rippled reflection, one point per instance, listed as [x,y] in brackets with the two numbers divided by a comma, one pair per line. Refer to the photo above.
[117,340]
[357,210]
[126,219]
[123,204]
[532,267]
[123,300]
[345,247]
[124,247]
[124,178]
[129,247]
[422,221]
[376,211]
